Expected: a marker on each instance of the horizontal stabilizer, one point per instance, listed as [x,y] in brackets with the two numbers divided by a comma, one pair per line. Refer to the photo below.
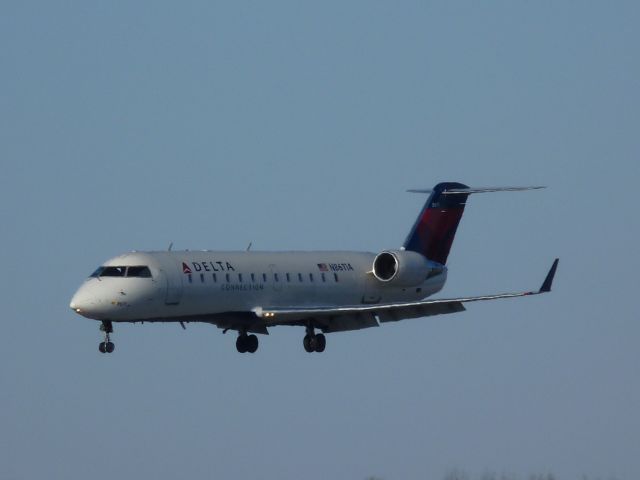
[468,190]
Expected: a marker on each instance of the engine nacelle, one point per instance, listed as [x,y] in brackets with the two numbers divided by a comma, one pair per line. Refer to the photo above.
[401,267]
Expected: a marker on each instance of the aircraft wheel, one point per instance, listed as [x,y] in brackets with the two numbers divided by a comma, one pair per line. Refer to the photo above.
[309,344]
[241,344]
[320,343]
[102,347]
[252,344]
[110,347]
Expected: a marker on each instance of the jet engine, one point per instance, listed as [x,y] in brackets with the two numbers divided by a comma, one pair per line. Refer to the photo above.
[401,268]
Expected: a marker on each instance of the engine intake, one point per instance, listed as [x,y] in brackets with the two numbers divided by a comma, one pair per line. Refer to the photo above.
[401,267]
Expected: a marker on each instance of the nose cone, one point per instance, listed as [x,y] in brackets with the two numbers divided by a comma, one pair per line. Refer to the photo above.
[85,302]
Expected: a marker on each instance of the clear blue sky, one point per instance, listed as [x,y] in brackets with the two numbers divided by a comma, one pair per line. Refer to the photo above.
[298,125]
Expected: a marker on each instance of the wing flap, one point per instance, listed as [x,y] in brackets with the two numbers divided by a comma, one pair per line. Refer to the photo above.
[344,323]
[394,315]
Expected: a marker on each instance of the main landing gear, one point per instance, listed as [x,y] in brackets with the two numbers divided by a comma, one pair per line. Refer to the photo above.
[246,343]
[313,342]
[107,346]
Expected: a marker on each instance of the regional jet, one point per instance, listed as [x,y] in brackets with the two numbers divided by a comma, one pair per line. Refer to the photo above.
[323,291]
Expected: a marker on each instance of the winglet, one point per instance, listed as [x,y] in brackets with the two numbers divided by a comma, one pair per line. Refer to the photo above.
[546,285]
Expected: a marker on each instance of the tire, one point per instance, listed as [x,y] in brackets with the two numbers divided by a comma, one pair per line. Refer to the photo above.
[241,343]
[110,347]
[321,343]
[307,342]
[252,344]
[102,346]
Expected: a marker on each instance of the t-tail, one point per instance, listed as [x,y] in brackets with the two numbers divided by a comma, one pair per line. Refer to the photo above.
[435,228]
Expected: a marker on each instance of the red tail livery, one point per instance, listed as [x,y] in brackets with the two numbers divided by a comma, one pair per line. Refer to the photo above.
[432,234]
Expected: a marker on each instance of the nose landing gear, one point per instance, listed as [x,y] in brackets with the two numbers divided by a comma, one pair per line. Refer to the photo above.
[107,345]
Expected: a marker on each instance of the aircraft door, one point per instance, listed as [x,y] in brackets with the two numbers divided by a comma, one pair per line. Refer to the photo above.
[175,287]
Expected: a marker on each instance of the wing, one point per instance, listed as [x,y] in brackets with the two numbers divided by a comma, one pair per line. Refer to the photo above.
[355,317]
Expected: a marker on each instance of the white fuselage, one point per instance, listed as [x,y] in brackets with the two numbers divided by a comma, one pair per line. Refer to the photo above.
[199,285]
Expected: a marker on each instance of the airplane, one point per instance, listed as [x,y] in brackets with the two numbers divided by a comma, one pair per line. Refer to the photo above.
[250,291]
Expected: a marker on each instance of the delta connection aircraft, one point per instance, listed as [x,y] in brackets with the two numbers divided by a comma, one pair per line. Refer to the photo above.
[249,292]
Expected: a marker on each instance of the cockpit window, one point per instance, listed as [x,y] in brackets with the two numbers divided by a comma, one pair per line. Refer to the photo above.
[97,272]
[113,271]
[141,272]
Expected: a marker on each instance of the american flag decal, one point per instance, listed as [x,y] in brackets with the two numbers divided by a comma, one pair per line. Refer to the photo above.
[185,268]
[323,267]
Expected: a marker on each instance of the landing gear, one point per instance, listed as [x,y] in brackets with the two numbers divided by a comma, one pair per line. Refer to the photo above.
[247,343]
[313,342]
[107,345]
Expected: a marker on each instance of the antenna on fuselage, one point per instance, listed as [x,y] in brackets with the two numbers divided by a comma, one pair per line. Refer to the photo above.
[249,246]
[170,246]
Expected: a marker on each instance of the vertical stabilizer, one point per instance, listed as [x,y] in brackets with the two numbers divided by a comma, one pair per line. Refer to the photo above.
[432,234]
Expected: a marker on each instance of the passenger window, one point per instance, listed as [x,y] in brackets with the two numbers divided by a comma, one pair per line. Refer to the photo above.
[335,277]
[215,277]
[275,277]
[311,277]
[264,277]
[141,272]
[240,277]
[113,272]
[202,278]
[228,277]
[288,278]
[324,278]
[190,279]
[253,277]
[300,276]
